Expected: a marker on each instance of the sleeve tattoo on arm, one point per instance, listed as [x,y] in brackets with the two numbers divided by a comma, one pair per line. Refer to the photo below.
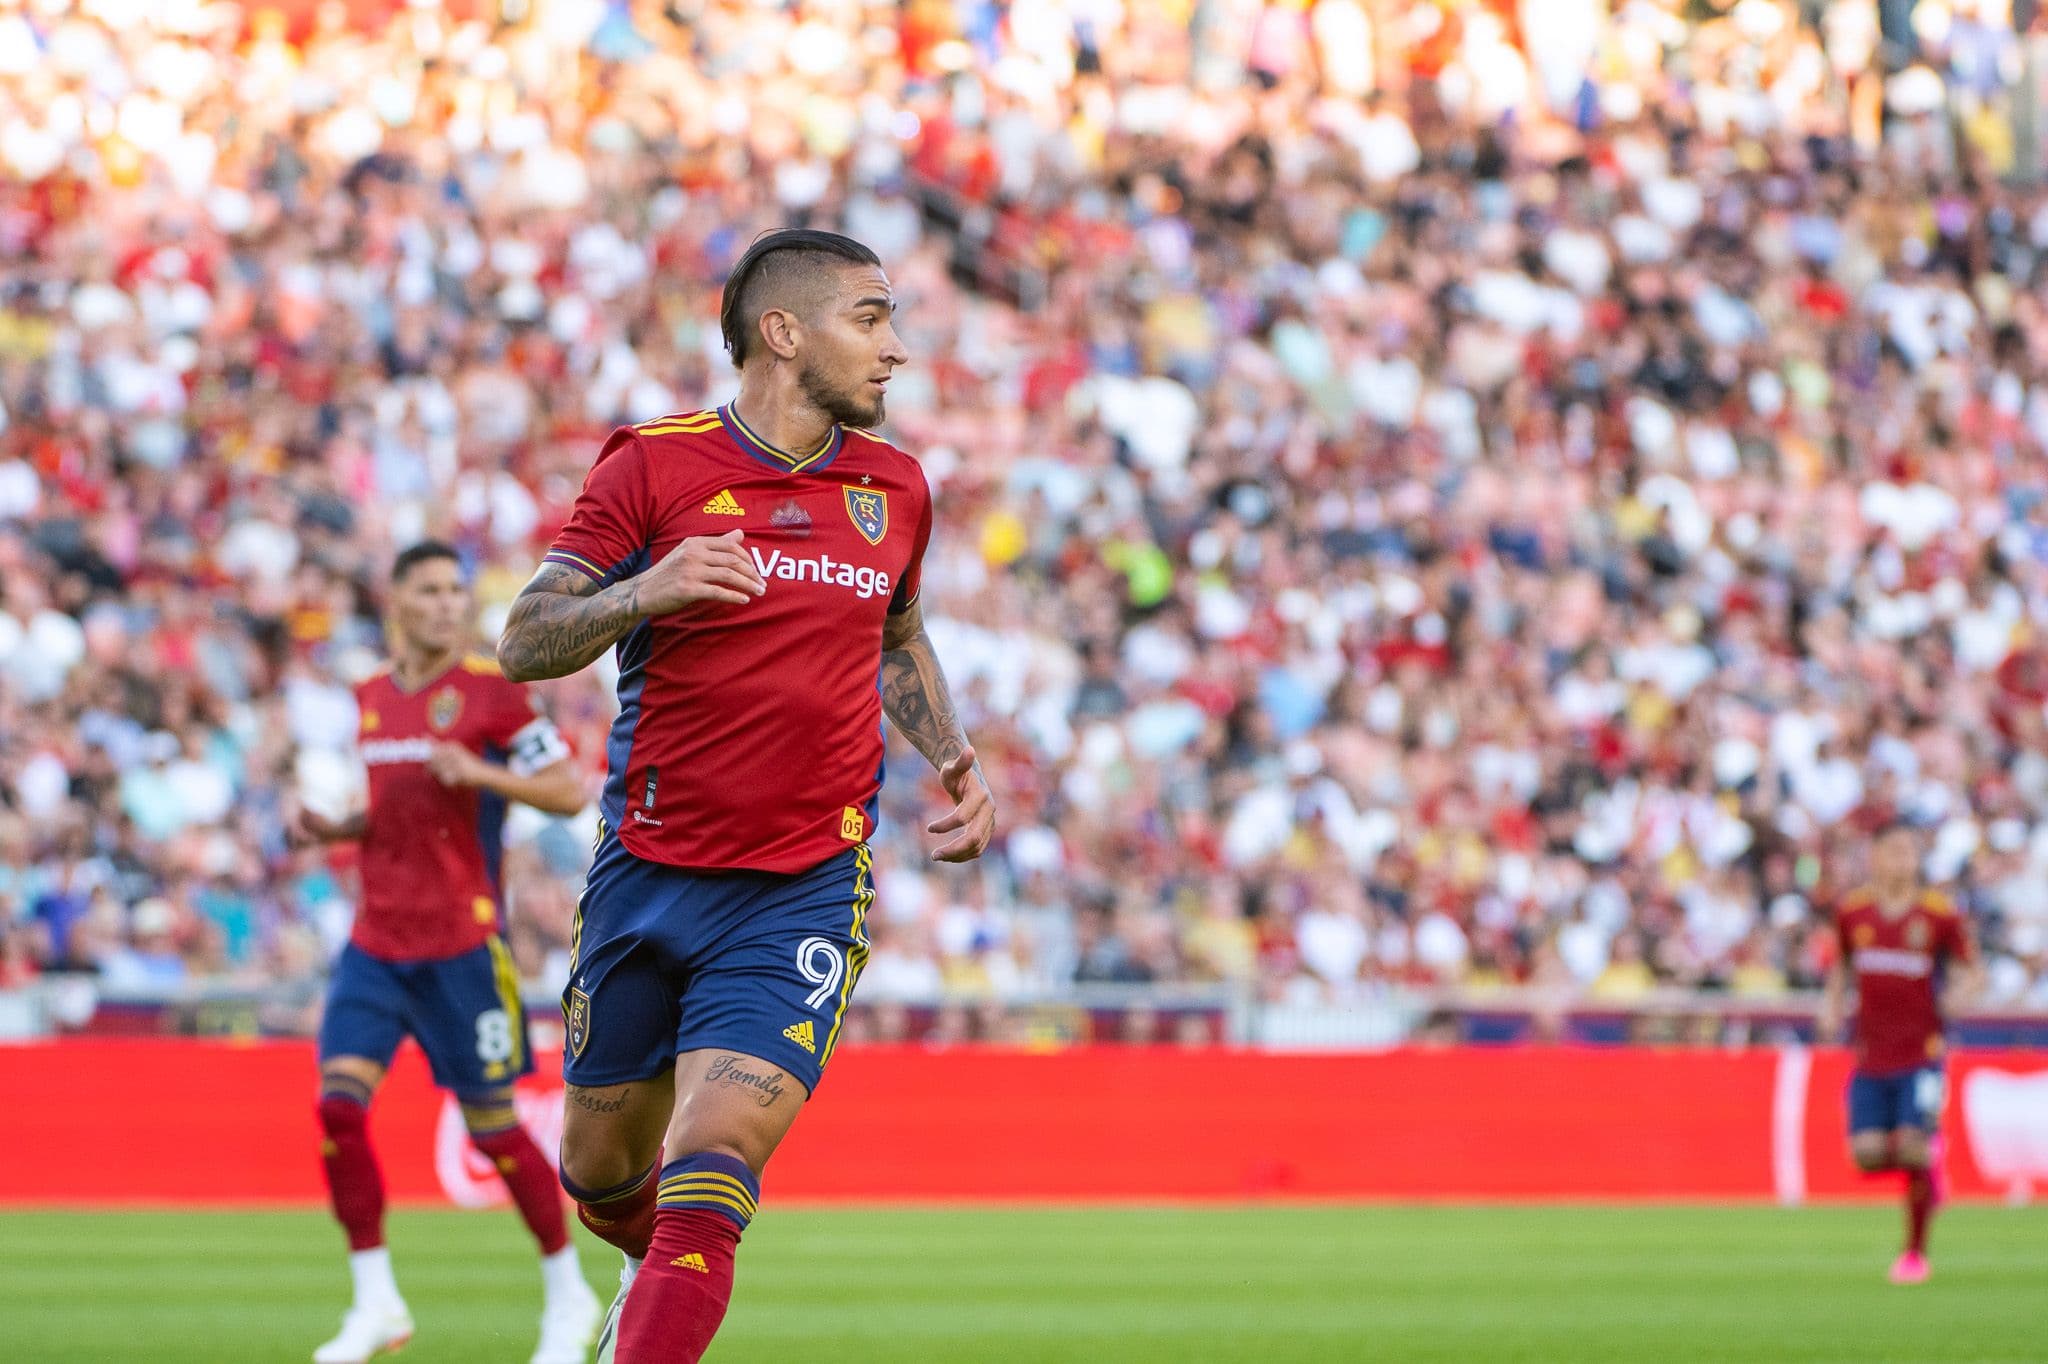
[916,699]
[561,622]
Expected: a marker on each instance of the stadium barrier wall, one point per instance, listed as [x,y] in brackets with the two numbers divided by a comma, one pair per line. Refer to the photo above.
[152,1121]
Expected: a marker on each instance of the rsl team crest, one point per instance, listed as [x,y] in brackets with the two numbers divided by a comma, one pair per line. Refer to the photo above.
[444,708]
[578,1021]
[868,508]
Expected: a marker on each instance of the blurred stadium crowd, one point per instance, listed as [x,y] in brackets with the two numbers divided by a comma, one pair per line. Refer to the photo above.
[1423,497]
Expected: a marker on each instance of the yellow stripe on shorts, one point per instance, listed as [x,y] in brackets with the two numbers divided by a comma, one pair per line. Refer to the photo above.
[507,974]
[857,957]
[576,923]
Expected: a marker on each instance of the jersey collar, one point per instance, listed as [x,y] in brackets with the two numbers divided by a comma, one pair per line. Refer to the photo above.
[743,436]
[391,671]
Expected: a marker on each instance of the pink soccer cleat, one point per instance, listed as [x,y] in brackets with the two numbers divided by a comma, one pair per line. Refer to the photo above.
[1910,1267]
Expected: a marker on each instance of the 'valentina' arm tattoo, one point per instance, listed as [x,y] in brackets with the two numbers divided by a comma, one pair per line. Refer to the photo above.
[561,622]
[915,696]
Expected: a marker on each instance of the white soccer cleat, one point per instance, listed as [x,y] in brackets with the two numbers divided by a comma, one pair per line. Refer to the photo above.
[367,1332]
[567,1325]
[608,1338]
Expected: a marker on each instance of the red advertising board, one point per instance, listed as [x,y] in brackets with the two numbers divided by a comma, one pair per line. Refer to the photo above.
[210,1123]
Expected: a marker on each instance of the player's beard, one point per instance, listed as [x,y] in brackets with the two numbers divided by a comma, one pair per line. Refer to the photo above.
[841,407]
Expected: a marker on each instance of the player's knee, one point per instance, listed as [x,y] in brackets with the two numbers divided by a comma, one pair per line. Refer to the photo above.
[1871,1153]
[343,1091]
[588,1161]
[342,1113]
[1910,1151]
[488,1116]
[729,1151]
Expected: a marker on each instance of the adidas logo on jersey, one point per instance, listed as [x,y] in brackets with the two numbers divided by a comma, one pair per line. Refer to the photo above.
[803,1035]
[725,504]
[691,1261]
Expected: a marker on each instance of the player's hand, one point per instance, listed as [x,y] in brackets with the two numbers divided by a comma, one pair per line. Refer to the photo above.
[453,765]
[974,811]
[306,828]
[703,568]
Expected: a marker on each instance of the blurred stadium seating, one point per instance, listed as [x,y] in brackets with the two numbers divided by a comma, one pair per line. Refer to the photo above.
[1432,509]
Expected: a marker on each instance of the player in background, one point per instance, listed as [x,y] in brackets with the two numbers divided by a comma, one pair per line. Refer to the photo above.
[1909,953]
[757,566]
[448,742]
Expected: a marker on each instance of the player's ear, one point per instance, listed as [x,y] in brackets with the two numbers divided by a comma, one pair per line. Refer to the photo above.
[779,331]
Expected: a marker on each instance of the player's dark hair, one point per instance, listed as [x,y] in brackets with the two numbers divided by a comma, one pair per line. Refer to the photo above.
[774,260]
[413,556]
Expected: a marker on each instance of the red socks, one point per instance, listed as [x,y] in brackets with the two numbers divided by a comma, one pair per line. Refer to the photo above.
[354,1183]
[682,1290]
[622,1216]
[526,1173]
[1919,1209]
[680,1295]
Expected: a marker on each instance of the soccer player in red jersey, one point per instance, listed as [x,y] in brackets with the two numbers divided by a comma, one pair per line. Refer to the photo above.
[757,566]
[448,742]
[1906,947]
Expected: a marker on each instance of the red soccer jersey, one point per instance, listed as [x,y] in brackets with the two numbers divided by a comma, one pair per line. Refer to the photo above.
[430,852]
[751,736]
[1899,963]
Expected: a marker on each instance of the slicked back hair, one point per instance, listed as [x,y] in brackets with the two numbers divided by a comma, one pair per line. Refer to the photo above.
[777,266]
[423,552]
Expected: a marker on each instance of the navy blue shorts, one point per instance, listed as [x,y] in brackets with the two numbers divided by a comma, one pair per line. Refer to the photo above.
[1886,1103]
[668,960]
[463,1011]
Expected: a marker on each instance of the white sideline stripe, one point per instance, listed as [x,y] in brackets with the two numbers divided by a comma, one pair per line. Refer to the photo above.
[1788,1125]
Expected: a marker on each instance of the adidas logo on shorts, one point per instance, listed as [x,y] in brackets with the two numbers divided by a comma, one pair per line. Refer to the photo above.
[803,1035]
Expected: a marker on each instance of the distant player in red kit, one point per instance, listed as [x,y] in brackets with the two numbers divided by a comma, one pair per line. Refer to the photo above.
[1906,947]
[448,743]
[757,566]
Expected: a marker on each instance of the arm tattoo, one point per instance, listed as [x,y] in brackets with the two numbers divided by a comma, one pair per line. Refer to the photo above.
[917,702]
[561,622]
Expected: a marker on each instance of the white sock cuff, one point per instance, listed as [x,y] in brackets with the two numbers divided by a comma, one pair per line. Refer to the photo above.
[562,1270]
[371,1271]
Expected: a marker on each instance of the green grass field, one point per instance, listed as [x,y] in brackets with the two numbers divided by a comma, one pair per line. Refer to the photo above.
[1106,1286]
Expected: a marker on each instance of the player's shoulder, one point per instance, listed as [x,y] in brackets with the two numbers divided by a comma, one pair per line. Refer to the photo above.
[1937,903]
[643,439]
[861,439]
[1856,900]
[891,455]
[375,682]
[482,676]
[677,427]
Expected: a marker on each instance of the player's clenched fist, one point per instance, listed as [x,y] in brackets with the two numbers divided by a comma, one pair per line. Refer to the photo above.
[704,568]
